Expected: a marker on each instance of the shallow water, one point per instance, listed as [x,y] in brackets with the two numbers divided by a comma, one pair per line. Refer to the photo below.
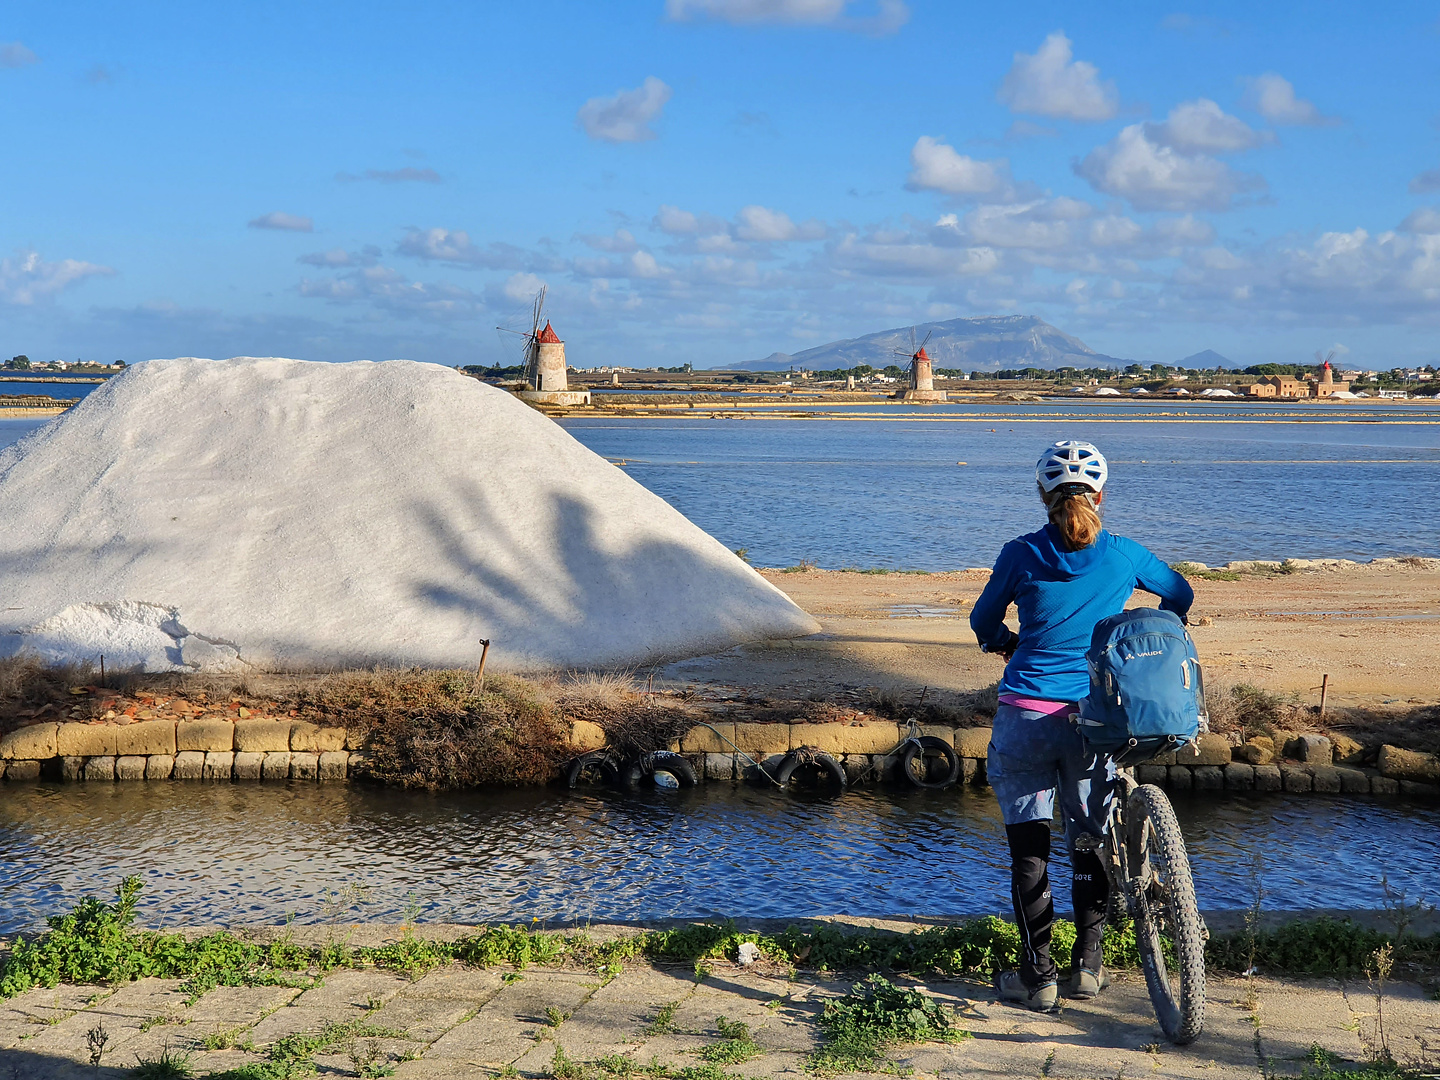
[234,853]
[948,487]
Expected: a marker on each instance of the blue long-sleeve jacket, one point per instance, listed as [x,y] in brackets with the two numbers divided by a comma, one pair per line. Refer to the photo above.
[1060,596]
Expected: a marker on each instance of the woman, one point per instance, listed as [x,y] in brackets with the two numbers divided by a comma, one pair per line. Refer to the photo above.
[1063,580]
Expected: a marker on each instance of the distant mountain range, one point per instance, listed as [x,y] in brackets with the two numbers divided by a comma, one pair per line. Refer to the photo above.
[1207,359]
[984,344]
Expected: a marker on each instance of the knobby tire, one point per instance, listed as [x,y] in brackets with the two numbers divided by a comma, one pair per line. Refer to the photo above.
[1154,841]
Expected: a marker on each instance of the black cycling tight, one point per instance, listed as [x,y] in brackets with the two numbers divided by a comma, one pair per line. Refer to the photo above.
[1035,910]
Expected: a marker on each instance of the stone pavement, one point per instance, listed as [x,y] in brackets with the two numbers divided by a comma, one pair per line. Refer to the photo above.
[458,1022]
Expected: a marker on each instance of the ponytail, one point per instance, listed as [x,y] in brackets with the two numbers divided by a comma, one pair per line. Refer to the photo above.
[1076,517]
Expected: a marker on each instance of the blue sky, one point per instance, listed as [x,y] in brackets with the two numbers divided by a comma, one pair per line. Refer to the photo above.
[714,180]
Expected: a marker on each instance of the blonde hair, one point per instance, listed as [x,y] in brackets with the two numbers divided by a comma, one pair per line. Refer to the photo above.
[1076,516]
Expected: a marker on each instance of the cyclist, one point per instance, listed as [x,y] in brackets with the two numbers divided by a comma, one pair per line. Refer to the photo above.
[1063,580]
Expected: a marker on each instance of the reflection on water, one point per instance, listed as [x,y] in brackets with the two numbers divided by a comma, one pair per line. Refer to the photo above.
[233,853]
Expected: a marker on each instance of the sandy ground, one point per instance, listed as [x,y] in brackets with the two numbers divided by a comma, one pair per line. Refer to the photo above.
[1373,630]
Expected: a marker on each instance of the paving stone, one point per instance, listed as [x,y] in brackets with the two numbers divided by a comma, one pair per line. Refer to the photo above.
[332,764]
[347,989]
[504,1027]
[262,736]
[26,1015]
[33,742]
[304,766]
[228,1007]
[248,765]
[219,765]
[313,739]
[146,737]
[122,1015]
[702,740]
[85,740]
[276,766]
[205,735]
[1296,1015]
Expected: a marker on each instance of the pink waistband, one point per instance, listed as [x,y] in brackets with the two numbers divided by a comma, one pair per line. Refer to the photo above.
[1049,708]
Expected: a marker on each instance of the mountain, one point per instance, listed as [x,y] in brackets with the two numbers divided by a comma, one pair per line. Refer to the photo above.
[983,344]
[1207,359]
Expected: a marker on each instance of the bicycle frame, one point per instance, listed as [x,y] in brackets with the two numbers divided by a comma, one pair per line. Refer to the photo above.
[1112,849]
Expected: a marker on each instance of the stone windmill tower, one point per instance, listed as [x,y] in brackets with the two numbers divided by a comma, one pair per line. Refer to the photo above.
[922,373]
[545,367]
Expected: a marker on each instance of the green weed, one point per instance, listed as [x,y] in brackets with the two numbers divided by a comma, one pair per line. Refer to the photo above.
[663,1021]
[737,1045]
[875,1016]
[554,1017]
[221,1040]
[168,1066]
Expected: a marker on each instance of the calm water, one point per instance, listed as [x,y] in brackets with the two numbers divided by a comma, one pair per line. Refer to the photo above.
[1205,483]
[881,486]
[235,853]
[47,389]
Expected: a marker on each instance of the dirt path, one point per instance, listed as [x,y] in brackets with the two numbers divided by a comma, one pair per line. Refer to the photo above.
[1372,629]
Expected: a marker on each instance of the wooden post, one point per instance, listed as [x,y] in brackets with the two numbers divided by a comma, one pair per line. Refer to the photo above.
[1324,687]
[102,670]
[480,674]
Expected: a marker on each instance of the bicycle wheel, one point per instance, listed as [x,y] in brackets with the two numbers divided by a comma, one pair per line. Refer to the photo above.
[1165,910]
[928,762]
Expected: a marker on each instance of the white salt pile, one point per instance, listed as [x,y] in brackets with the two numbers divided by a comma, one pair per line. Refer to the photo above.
[212,515]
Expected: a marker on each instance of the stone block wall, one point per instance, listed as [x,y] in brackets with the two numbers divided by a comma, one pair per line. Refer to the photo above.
[255,749]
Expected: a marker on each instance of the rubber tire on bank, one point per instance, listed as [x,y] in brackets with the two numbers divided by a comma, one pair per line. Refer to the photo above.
[602,760]
[915,748]
[1168,904]
[647,765]
[827,765]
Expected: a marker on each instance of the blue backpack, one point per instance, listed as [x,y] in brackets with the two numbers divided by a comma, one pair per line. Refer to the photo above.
[1146,693]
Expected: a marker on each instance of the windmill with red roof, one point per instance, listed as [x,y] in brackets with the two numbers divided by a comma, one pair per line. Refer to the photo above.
[922,372]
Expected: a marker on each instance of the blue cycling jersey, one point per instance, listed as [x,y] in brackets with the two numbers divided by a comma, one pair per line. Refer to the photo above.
[1060,596]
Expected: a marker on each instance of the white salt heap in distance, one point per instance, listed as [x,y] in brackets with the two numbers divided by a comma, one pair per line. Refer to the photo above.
[213,515]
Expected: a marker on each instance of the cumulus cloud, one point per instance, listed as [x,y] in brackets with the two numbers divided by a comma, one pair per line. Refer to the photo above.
[13,54]
[388,290]
[1052,83]
[407,175]
[1202,127]
[286,222]
[522,287]
[676,222]
[1273,97]
[1426,182]
[763,225]
[336,258]
[888,15]
[625,116]
[26,279]
[935,166]
[455,247]
[1156,177]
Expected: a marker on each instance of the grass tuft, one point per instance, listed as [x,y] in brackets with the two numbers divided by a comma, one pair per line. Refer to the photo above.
[874,1017]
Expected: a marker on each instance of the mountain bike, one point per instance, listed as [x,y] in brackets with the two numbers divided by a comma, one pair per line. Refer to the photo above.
[1144,856]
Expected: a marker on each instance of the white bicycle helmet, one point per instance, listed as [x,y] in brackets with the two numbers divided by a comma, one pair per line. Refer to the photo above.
[1071,463]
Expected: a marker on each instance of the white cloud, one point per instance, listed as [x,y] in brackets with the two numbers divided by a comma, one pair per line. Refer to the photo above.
[1273,97]
[336,258]
[889,15]
[1426,182]
[286,222]
[455,247]
[676,222]
[520,287]
[621,240]
[1051,83]
[1154,177]
[15,55]
[1202,127]
[388,290]
[625,116]
[1426,221]
[760,224]
[935,166]
[407,175]
[28,279]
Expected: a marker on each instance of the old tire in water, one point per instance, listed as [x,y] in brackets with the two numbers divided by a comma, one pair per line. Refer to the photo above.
[1166,909]
[595,767]
[661,763]
[830,773]
[930,762]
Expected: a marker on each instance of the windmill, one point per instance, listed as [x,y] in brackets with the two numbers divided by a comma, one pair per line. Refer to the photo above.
[531,352]
[922,375]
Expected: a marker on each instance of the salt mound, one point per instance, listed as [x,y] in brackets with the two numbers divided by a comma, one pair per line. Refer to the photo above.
[213,515]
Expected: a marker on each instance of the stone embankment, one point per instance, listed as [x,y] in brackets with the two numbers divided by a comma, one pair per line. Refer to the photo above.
[251,748]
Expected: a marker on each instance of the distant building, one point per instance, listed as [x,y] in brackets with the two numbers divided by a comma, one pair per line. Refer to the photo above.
[922,379]
[1287,386]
